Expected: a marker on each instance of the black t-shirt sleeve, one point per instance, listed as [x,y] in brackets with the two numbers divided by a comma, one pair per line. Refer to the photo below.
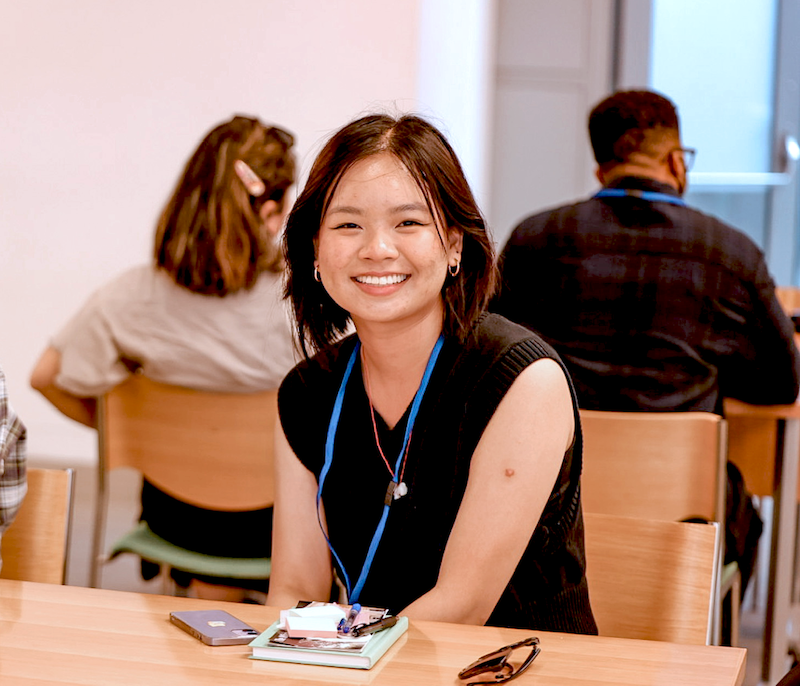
[305,402]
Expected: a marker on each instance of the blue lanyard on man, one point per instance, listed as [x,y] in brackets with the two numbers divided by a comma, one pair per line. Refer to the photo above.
[649,196]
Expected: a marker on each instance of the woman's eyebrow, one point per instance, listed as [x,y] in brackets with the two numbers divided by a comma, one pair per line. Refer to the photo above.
[398,209]
[344,209]
[410,207]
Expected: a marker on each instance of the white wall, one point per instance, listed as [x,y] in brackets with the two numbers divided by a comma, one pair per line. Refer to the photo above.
[456,80]
[102,101]
[553,65]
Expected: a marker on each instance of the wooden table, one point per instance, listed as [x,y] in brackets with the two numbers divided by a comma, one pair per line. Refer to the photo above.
[61,634]
[750,426]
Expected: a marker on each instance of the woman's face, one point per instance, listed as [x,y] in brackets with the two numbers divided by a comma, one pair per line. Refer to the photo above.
[381,255]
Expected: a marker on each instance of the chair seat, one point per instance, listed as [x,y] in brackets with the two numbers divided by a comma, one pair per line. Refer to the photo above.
[144,543]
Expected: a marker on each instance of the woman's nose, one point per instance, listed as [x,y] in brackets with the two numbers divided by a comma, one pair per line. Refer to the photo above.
[378,245]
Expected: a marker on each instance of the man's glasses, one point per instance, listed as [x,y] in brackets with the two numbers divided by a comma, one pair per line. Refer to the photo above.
[688,156]
[497,662]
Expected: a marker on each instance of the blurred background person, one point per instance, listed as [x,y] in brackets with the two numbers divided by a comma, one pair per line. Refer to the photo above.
[653,305]
[205,314]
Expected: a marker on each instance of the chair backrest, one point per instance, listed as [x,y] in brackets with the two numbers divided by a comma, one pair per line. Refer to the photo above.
[35,546]
[213,450]
[654,465]
[652,579]
[789,298]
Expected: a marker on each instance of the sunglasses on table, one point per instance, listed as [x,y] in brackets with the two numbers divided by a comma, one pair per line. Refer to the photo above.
[498,663]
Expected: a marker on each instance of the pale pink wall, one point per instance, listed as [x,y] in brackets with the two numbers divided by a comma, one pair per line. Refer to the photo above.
[102,101]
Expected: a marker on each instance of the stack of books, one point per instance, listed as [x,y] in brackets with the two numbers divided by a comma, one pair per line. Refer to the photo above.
[318,638]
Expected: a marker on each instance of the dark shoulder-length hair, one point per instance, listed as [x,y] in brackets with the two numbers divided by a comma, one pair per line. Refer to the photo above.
[433,164]
[210,237]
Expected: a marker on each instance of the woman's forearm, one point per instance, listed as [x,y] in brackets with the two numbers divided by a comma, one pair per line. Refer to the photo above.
[83,410]
[43,378]
[440,606]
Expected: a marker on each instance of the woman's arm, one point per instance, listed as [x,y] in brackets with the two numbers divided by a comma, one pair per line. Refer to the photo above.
[512,474]
[301,561]
[43,378]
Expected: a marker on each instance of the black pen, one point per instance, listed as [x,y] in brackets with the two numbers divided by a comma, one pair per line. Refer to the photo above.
[380,625]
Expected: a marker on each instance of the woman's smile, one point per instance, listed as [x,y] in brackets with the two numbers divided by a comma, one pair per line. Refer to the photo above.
[384,280]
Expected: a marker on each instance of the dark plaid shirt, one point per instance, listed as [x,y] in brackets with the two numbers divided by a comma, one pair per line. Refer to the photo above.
[13,481]
[653,306]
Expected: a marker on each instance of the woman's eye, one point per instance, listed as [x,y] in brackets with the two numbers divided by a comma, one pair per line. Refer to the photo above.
[410,222]
[345,225]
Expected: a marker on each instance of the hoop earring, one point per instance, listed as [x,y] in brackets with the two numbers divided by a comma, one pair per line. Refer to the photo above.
[453,270]
[316,275]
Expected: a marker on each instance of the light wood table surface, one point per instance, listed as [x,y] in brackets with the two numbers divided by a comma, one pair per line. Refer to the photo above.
[751,428]
[61,634]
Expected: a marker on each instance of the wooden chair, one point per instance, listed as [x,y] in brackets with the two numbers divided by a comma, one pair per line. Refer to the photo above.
[652,579]
[35,547]
[654,465]
[660,465]
[789,298]
[212,450]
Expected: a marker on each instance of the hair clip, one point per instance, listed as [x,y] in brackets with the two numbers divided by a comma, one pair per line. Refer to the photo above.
[254,185]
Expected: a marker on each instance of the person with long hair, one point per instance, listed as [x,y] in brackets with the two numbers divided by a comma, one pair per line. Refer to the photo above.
[206,313]
[429,462]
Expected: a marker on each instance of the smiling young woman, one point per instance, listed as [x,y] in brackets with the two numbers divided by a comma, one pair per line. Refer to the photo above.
[431,460]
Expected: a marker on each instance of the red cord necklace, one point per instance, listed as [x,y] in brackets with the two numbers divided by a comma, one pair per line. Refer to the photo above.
[400,489]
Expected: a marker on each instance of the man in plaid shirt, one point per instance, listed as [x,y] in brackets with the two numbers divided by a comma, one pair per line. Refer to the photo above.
[13,481]
[653,305]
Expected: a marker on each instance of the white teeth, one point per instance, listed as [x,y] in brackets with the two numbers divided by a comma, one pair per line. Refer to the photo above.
[382,280]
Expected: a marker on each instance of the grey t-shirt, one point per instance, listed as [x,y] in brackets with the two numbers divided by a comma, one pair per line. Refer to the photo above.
[239,343]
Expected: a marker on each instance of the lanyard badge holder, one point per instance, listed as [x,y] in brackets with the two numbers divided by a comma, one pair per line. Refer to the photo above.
[354,592]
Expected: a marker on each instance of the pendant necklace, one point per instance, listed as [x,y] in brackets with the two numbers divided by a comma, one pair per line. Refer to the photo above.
[397,487]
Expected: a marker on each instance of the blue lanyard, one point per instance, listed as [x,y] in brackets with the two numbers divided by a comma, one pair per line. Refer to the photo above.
[353,593]
[650,196]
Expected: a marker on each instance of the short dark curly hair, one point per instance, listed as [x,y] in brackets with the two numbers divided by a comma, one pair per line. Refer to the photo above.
[618,126]
[433,164]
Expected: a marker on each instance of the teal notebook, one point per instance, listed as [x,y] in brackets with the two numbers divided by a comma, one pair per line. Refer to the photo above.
[362,658]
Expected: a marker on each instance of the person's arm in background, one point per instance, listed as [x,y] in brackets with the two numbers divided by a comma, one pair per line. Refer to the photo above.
[767,372]
[82,361]
[13,466]
[43,379]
